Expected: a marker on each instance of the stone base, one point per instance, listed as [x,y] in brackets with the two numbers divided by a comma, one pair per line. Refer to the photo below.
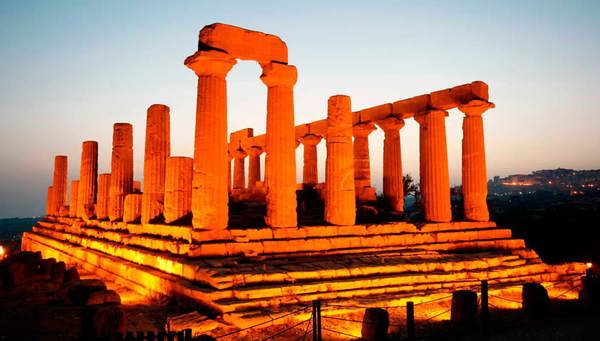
[242,273]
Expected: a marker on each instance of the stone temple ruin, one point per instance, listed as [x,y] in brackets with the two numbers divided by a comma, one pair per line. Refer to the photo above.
[240,251]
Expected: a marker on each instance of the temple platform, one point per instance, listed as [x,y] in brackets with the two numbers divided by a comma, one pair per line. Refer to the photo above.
[247,276]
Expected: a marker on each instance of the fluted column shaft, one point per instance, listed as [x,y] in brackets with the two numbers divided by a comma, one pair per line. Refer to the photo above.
[340,203]
[50,201]
[132,211]
[209,189]
[362,163]
[59,183]
[239,169]
[310,168]
[121,173]
[178,189]
[88,180]
[73,198]
[157,150]
[393,183]
[474,178]
[103,196]
[254,166]
[280,162]
[435,180]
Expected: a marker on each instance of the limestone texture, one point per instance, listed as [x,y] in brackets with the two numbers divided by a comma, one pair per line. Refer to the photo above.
[393,183]
[88,180]
[178,189]
[157,150]
[121,169]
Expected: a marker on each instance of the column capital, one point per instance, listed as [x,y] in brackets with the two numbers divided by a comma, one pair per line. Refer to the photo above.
[210,63]
[475,107]
[311,139]
[363,129]
[238,153]
[255,150]
[391,124]
[275,74]
[420,117]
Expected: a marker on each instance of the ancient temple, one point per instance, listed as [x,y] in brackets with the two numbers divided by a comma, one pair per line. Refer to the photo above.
[182,236]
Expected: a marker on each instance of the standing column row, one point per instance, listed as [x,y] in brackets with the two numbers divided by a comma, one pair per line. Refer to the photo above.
[59,184]
[393,184]
[88,180]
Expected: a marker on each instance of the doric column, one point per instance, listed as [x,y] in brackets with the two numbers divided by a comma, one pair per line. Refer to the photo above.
[103,195]
[50,201]
[239,165]
[362,164]
[474,179]
[209,189]
[280,162]
[157,150]
[59,183]
[393,184]
[73,198]
[229,158]
[88,180]
[132,211]
[435,181]
[310,175]
[178,189]
[121,169]
[340,203]
[254,166]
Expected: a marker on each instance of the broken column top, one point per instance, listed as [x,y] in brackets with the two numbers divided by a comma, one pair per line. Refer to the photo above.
[243,44]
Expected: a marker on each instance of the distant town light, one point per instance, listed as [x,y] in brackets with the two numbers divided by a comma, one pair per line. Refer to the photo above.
[589,265]
[1,252]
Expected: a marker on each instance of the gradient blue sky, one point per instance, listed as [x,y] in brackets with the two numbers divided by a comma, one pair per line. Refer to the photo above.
[70,69]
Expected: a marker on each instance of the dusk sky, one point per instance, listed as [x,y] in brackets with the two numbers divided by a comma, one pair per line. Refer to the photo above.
[70,69]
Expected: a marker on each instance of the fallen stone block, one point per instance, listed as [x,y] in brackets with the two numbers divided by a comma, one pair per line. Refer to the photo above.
[103,297]
[80,291]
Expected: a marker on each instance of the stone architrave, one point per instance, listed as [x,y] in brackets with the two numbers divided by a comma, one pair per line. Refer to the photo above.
[393,183]
[340,204]
[178,189]
[362,164]
[310,176]
[121,175]
[103,195]
[73,198]
[280,160]
[50,201]
[132,212]
[59,183]
[254,166]
[433,155]
[474,178]
[88,180]
[157,150]
[210,197]
[239,169]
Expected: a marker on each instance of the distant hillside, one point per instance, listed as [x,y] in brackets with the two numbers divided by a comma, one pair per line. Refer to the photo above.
[11,229]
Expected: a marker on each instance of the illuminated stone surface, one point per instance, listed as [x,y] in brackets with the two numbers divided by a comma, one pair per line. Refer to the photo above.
[393,183]
[239,168]
[73,198]
[209,188]
[435,180]
[59,183]
[88,180]
[474,179]
[280,160]
[50,206]
[309,170]
[252,275]
[121,169]
[178,188]
[254,166]
[132,211]
[362,163]
[157,150]
[103,195]
[340,205]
